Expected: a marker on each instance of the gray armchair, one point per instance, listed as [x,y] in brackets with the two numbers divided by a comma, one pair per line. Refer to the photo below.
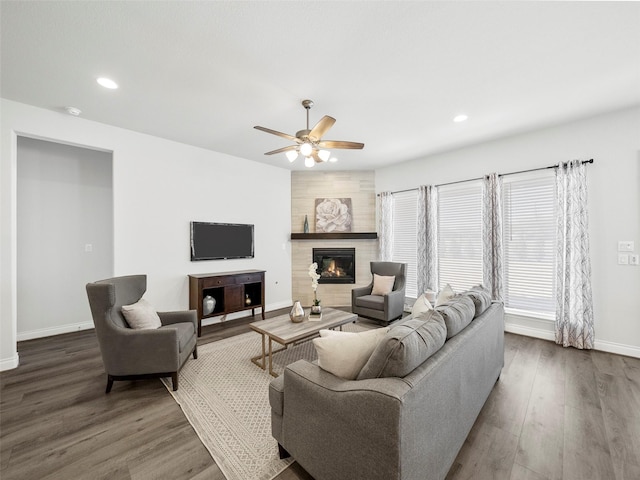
[130,354]
[385,308]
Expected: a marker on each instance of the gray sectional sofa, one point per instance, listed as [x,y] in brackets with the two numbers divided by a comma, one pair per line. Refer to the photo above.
[412,406]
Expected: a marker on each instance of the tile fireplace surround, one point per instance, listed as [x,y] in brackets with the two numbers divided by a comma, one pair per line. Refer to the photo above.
[306,187]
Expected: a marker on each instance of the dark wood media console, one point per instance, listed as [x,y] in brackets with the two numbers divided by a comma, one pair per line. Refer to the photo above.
[232,291]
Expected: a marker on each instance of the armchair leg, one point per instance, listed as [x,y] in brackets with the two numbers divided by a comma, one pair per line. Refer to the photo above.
[195,352]
[174,380]
[109,383]
[282,452]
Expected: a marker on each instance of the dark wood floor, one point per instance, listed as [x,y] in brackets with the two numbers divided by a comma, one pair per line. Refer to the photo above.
[555,414]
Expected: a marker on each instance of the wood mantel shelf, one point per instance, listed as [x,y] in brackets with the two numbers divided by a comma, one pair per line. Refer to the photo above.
[335,236]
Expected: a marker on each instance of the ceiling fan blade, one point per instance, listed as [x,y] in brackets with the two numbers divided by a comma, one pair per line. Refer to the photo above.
[315,156]
[341,144]
[275,132]
[321,128]
[283,149]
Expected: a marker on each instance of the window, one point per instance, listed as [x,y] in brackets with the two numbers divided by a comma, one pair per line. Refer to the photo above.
[405,234]
[460,235]
[529,239]
[529,230]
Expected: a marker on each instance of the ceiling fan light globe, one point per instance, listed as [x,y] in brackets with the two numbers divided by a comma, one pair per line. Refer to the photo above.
[309,162]
[306,149]
[291,155]
[324,155]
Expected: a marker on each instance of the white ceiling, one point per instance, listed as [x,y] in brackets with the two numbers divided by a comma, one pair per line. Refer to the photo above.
[393,74]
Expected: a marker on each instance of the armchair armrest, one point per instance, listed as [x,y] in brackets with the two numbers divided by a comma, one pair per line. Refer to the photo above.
[394,301]
[131,352]
[169,318]
[361,291]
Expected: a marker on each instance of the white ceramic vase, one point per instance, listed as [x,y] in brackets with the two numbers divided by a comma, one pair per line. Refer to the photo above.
[208,305]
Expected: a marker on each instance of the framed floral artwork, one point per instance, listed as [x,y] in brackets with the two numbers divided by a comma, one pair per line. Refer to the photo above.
[333,215]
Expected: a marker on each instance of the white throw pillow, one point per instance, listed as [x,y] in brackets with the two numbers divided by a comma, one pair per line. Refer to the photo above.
[141,315]
[326,332]
[421,305]
[382,285]
[345,353]
[431,296]
[445,295]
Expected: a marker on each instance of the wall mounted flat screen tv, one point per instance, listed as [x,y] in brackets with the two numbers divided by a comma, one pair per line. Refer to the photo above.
[217,241]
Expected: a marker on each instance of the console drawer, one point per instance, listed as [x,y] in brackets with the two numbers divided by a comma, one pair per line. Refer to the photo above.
[218,281]
[249,278]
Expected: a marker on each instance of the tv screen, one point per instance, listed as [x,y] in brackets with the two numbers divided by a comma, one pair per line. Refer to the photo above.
[215,241]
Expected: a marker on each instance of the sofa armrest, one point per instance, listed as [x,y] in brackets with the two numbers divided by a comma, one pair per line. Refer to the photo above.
[320,408]
[392,387]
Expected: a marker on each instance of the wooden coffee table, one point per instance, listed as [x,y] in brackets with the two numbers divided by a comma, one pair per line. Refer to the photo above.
[283,331]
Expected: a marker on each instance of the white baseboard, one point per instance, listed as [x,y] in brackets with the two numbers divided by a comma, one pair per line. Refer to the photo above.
[602,345]
[50,331]
[619,348]
[9,363]
[529,331]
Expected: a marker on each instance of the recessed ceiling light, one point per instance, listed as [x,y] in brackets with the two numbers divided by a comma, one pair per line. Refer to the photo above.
[107,83]
[460,118]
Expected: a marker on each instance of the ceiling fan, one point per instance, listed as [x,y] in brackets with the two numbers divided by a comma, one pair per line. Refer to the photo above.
[309,142]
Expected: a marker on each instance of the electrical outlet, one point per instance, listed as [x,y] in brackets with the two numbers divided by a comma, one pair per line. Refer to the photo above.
[623,259]
[634,259]
[625,246]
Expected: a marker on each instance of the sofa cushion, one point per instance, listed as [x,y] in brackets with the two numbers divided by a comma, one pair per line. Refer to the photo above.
[345,353]
[406,346]
[457,314]
[481,298]
[382,285]
[370,301]
[141,315]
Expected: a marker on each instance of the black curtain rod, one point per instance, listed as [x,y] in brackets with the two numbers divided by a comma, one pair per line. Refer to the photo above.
[480,178]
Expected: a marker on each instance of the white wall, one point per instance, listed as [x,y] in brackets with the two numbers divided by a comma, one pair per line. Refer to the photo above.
[65,203]
[158,187]
[613,141]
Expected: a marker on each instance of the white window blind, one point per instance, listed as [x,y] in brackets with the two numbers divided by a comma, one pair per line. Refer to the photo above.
[460,235]
[529,229]
[405,228]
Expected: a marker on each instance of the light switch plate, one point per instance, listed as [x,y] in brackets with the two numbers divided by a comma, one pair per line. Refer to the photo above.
[625,245]
[634,259]
[623,259]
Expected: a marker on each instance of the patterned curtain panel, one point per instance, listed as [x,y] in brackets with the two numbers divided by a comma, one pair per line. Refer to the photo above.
[385,226]
[574,303]
[492,270]
[427,264]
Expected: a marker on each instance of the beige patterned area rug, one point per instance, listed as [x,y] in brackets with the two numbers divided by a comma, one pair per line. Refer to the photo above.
[225,398]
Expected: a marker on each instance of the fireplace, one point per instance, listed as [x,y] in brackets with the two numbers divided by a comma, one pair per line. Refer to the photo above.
[335,265]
